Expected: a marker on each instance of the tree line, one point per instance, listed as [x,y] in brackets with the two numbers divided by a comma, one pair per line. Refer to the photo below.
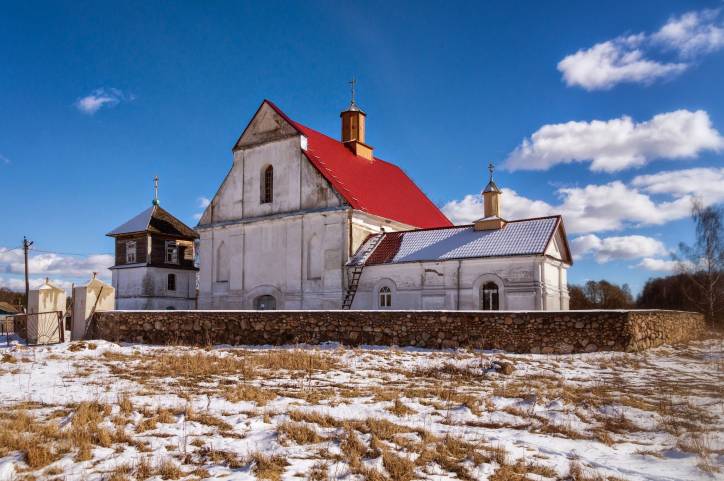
[697,285]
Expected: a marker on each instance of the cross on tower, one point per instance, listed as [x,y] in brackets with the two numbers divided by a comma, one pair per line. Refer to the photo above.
[491,168]
[155,191]
[353,84]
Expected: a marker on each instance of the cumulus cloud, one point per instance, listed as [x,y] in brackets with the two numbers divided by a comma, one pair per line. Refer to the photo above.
[658,265]
[611,206]
[56,265]
[100,98]
[616,248]
[203,203]
[609,63]
[617,144]
[693,33]
[18,283]
[639,58]
[706,183]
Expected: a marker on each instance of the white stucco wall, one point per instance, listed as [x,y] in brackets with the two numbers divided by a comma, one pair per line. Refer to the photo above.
[144,287]
[96,296]
[42,321]
[524,282]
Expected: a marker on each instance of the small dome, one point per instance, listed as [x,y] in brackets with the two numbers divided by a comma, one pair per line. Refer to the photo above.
[491,187]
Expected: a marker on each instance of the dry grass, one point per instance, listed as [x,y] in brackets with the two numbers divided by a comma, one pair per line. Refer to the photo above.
[250,393]
[299,433]
[605,410]
[400,409]
[399,468]
[270,467]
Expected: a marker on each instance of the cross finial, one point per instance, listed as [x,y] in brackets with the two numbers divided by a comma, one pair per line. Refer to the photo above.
[491,168]
[353,84]
[155,191]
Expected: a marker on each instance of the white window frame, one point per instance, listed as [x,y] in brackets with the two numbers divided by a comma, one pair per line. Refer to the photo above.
[171,252]
[130,252]
[384,297]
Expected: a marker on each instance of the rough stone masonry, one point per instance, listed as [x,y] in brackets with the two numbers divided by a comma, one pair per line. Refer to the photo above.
[560,332]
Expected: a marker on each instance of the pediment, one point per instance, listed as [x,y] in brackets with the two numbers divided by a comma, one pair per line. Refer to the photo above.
[266,126]
[558,246]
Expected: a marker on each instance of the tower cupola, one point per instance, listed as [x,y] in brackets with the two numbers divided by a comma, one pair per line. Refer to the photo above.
[353,128]
[491,205]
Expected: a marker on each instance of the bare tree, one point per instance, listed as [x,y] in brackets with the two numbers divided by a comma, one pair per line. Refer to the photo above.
[703,262]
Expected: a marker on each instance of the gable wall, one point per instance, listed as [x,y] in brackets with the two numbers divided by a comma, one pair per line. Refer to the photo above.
[269,141]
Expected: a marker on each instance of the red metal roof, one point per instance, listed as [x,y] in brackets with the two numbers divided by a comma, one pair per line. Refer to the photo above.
[372,186]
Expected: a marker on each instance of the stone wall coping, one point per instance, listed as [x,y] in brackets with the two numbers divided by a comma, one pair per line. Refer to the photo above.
[447,311]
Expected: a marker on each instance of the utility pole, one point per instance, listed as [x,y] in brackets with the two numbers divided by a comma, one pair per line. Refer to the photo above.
[26,248]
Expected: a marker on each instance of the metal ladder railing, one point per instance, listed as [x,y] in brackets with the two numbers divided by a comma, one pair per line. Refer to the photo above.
[354,273]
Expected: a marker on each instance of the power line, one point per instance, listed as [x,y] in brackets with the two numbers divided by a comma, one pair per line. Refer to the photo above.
[72,253]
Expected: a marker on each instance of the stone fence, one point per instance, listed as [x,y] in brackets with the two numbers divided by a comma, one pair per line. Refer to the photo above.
[558,332]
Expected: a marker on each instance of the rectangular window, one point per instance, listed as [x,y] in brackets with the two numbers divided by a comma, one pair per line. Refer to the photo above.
[130,252]
[171,285]
[171,252]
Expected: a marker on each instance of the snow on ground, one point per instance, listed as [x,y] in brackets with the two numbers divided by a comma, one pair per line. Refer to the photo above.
[103,411]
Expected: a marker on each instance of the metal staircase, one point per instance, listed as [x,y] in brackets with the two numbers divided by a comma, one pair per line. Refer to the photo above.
[354,271]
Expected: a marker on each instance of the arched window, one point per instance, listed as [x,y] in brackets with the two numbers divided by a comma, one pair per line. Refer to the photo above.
[222,263]
[385,297]
[265,303]
[171,282]
[489,297]
[267,185]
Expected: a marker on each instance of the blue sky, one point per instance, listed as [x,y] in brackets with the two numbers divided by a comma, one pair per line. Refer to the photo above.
[596,110]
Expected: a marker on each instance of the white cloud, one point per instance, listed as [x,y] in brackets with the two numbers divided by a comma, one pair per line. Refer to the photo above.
[609,63]
[638,58]
[611,206]
[705,183]
[203,203]
[18,283]
[616,248]
[617,144]
[102,97]
[48,264]
[658,265]
[693,33]
[470,208]
[4,160]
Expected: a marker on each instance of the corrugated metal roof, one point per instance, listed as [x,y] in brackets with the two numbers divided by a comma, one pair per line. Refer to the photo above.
[155,219]
[521,237]
[137,224]
[378,187]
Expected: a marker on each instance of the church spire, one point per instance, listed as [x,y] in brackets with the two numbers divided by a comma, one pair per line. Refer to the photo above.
[491,205]
[155,192]
[491,195]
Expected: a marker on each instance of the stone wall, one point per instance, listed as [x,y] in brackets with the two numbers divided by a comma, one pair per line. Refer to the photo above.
[559,332]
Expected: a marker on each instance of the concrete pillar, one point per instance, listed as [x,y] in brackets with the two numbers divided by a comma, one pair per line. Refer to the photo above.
[93,297]
[44,303]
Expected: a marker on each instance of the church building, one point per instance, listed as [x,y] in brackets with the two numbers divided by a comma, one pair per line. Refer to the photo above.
[305,221]
[154,261]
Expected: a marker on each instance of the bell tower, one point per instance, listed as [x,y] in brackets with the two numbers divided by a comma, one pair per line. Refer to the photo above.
[491,206]
[353,128]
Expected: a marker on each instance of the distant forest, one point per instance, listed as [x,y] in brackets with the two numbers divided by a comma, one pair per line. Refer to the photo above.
[697,286]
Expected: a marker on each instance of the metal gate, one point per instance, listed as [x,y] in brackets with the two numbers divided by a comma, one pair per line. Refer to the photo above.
[37,328]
